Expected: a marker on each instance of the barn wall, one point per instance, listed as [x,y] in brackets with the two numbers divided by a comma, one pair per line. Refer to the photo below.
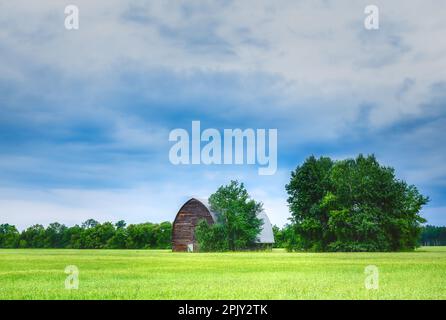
[183,232]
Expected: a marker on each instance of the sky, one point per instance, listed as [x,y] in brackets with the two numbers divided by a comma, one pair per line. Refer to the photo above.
[85,114]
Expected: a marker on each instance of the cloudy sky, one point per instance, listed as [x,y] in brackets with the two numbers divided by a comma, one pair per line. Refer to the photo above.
[85,114]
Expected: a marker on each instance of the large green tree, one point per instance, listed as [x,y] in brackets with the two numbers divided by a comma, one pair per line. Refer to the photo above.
[238,225]
[353,205]
[308,186]
[33,237]
[9,236]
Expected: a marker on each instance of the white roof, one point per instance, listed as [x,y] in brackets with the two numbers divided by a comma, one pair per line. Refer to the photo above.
[205,202]
[265,236]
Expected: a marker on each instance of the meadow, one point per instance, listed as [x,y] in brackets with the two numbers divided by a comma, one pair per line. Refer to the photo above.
[161,274]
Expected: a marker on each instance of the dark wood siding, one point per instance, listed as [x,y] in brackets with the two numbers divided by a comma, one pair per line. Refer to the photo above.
[183,232]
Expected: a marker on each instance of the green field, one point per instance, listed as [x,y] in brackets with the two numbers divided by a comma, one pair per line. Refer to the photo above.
[154,274]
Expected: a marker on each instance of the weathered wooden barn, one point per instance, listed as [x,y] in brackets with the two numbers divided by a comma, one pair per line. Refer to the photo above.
[194,210]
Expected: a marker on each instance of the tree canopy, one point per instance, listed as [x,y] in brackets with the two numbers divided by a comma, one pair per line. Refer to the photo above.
[353,205]
[237,227]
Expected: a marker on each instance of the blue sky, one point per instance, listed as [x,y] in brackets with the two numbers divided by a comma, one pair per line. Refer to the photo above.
[85,115]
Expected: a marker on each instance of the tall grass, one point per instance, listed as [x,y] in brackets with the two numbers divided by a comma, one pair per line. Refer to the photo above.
[158,274]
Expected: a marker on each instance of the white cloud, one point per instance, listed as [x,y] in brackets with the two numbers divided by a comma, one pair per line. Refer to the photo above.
[318,48]
[23,207]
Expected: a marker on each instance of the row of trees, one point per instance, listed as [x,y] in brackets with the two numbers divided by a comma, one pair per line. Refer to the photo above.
[237,229]
[433,236]
[137,236]
[90,235]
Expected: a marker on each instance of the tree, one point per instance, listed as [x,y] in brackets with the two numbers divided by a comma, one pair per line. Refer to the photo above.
[163,235]
[308,185]
[140,236]
[90,223]
[95,235]
[120,224]
[73,237]
[278,237]
[285,237]
[211,238]
[353,205]
[33,237]
[54,236]
[238,225]
[120,236]
[9,236]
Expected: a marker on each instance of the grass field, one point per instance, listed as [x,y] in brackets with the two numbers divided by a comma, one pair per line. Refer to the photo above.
[152,274]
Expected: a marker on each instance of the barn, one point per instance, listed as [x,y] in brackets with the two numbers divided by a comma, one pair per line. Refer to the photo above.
[194,210]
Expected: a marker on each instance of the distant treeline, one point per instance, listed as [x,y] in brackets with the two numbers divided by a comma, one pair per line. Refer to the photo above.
[430,236]
[94,235]
[89,235]
[433,236]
